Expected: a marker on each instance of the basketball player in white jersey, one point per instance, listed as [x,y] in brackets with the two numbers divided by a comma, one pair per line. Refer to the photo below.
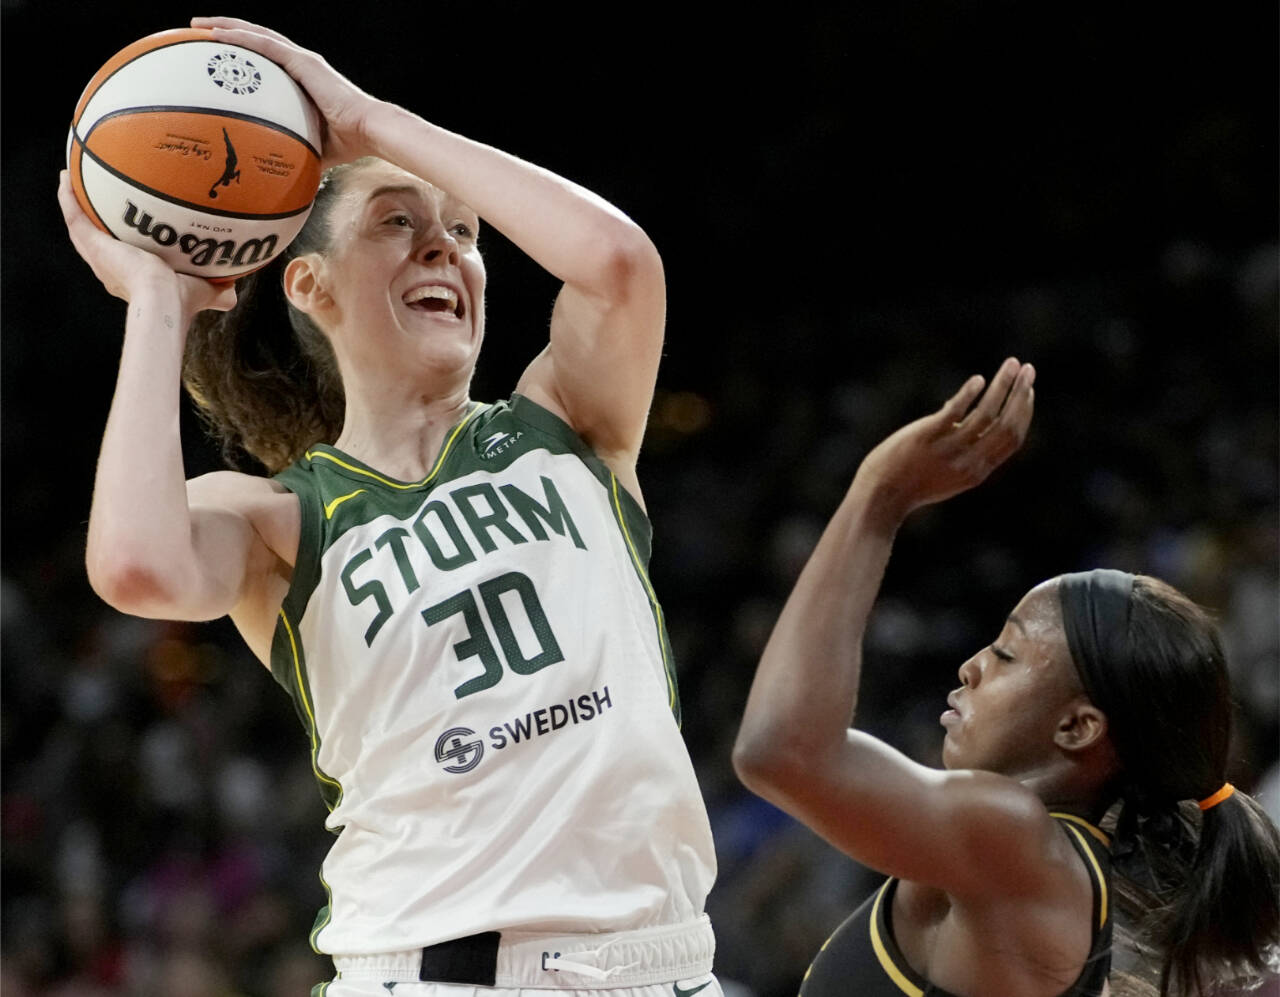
[455,594]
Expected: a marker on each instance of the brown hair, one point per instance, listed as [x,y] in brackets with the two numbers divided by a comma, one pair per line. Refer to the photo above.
[263,375]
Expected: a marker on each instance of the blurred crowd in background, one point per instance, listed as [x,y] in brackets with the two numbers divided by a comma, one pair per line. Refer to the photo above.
[160,828]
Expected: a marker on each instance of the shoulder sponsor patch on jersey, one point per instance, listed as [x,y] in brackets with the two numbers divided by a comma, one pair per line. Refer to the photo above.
[497,443]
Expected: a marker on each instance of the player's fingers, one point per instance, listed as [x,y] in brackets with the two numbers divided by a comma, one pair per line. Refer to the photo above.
[1005,436]
[223,300]
[79,227]
[99,249]
[954,408]
[1017,410]
[992,402]
[277,48]
[237,24]
[271,44]
[67,198]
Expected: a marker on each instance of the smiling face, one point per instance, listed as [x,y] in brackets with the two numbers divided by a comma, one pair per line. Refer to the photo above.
[402,281]
[1018,696]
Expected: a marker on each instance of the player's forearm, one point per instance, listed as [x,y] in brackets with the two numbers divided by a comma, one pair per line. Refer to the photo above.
[804,694]
[577,236]
[139,526]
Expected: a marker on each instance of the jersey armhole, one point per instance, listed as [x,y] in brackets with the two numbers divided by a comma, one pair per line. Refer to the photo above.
[549,424]
[306,569]
[1078,833]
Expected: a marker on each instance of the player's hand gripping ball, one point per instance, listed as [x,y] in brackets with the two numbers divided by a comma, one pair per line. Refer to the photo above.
[205,153]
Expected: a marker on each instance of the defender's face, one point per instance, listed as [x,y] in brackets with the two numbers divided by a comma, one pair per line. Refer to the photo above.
[1012,693]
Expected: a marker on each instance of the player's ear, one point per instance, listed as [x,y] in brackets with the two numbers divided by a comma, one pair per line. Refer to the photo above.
[1081,726]
[303,286]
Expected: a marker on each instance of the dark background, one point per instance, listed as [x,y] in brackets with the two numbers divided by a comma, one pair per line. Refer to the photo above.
[857,207]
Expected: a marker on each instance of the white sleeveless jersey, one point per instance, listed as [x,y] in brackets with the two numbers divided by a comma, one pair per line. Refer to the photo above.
[484,675]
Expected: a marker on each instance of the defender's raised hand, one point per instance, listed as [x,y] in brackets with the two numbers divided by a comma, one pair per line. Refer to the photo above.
[957,447]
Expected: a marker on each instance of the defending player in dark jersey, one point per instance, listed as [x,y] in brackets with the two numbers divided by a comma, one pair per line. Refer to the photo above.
[1101,686]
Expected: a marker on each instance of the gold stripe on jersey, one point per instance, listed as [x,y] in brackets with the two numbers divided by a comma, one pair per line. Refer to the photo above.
[444,452]
[311,716]
[1097,871]
[815,958]
[1098,833]
[653,598]
[886,962]
[329,509]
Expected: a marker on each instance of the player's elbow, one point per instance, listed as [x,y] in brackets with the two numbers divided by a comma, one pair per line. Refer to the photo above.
[748,764]
[627,262]
[130,584]
[764,765]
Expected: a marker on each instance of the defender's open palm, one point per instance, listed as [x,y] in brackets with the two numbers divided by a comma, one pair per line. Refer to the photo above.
[957,447]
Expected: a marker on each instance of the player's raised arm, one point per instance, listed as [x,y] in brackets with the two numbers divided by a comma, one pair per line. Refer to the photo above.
[607,327]
[149,553]
[422,561]
[795,747]
[1102,687]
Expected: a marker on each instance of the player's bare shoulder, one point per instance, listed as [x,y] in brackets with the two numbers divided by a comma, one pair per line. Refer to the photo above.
[270,508]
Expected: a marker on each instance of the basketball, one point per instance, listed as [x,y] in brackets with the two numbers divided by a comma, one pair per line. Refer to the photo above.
[204,153]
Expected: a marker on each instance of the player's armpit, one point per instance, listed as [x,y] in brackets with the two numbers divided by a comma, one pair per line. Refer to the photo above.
[267,506]
[245,532]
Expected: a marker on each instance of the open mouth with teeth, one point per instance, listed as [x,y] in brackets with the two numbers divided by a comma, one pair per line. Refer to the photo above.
[436,298]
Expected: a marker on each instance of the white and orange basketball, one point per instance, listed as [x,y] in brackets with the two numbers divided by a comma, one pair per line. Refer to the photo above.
[205,153]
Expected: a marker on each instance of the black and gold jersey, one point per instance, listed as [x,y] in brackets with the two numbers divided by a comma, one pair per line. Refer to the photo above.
[862,958]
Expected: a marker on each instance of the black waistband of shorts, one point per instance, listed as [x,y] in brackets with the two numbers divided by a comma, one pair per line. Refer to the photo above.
[472,959]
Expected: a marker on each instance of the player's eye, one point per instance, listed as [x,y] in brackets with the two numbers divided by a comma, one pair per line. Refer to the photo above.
[462,230]
[400,220]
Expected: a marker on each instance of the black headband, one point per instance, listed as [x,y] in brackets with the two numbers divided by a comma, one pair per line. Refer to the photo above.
[1160,716]
[1095,618]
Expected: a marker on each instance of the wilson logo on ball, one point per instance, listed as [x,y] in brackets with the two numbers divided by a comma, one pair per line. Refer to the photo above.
[234,73]
[201,250]
[215,179]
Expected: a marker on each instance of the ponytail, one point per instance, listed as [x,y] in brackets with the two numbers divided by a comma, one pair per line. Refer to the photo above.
[1223,924]
[262,375]
[1152,661]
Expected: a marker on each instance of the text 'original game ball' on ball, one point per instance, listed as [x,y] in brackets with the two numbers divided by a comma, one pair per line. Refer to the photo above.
[205,153]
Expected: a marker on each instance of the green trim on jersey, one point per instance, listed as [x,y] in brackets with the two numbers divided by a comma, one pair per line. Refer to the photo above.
[330,788]
[337,492]
[323,916]
[664,642]
[323,452]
